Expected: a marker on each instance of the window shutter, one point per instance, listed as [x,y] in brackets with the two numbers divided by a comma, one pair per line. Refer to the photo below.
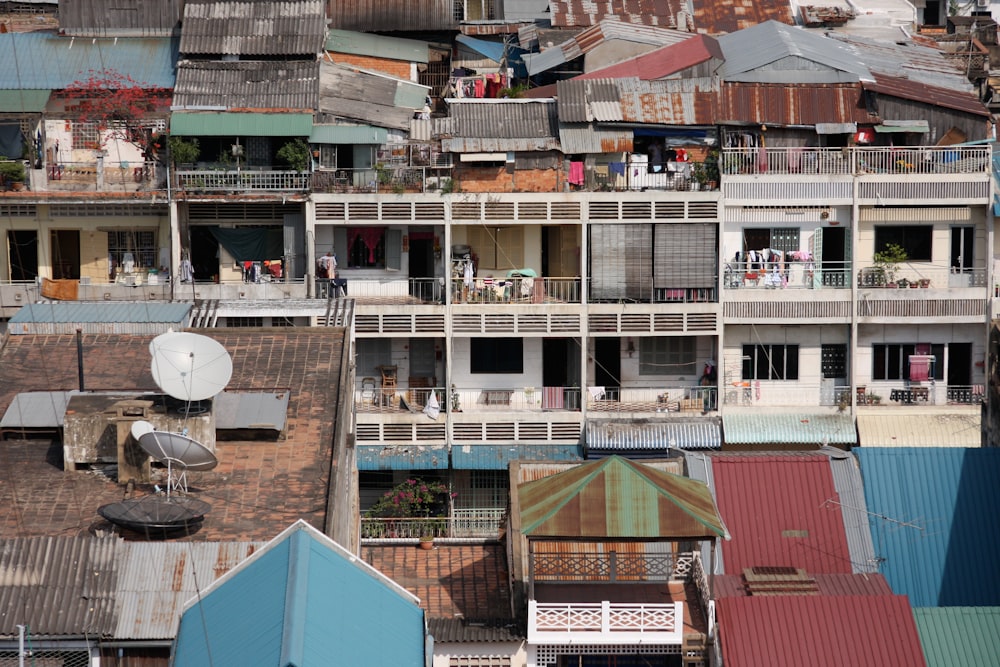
[684,256]
[393,249]
[607,262]
[510,248]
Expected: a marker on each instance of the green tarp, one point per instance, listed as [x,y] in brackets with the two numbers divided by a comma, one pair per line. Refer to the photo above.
[253,244]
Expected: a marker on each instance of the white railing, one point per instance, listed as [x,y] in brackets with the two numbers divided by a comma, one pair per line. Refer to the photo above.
[232,180]
[781,393]
[482,526]
[605,623]
[787,275]
[855,161]
[392,180]
[663,398]
[916,275]
[515,290]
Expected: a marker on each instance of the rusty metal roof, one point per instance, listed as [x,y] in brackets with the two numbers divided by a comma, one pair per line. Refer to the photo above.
[630,100]
[720,17]
[392,15]
[253,27]
[247,85]
[370,97]
[781,104]
[490,125]
[664,61]
[734,585]
[58,586]
[948,98]
[577,13]
[588,138]
[618,498]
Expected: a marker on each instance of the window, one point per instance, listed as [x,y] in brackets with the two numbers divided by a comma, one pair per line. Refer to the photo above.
[500,248]
[785,239]
[368,247]
[328,156]
[497,355]
[770,362]
[891,361]
[668,355]
[479,661]
[372,353]
[914,239]
[138,247]
[244,322]
[487,489]
[833,359]
[85,135]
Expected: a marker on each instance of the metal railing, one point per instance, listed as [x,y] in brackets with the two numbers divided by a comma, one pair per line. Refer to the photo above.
[457,527]
[782,393]
[918,274]
[371,397]
[682,397]
[672,176]
[240,180]
[787,275]
[394,180]
[855,161]
[100,176]
[609,567]
[516,290]
[620,293]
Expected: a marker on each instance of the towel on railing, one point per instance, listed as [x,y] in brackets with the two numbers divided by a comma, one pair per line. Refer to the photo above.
[596,393]
[920,368]
[576,173]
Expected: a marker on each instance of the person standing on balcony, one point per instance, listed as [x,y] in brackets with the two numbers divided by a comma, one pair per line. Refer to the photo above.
[709,379]
[326,266]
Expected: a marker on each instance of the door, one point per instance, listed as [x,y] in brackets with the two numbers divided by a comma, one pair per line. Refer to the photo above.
[959,365]
[22,254]
[422,358]
[560,361]
[607,366]
[204,255]
[422,283]
[834,259]
[65,254]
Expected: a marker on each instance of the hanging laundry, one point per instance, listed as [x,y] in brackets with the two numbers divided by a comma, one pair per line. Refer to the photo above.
[576,173]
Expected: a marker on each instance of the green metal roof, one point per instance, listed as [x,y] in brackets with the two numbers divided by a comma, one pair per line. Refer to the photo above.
[761,428]
[18,101]
[348,134]
[380,46]
[617,498]
[967,636]
[227,124]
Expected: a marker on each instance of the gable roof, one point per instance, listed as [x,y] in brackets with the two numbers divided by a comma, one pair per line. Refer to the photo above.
[618,498]
[664,61]
[820,631]
[967,636]
[247,85]
[253,27]
[933,518]
[631,100]
[311,599]
[782,511]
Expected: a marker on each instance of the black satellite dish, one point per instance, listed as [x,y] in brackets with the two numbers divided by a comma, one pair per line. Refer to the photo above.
[157,515]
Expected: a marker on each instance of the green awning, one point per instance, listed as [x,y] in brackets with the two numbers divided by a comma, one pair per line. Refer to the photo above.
[225,124]
[918,126]
[23,101]
[348,134]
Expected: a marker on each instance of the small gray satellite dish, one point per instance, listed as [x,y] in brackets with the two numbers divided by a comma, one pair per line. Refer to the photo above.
[189,366]
[167,447]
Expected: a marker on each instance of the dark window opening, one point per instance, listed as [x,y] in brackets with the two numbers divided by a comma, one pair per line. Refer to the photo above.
[914,239]
[497,355]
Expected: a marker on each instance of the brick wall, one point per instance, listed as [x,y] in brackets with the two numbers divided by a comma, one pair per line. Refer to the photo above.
[397,68]
[498,179]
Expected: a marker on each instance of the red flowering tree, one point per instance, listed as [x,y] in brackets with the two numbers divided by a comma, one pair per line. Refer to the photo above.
[120,107]
[413,498]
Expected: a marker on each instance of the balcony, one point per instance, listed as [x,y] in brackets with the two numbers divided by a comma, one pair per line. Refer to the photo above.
[383,180]
[220,181]
[902,393]
[921,292]
[778,393]
[794,291]
[605,623]
[135,178]
[464,524]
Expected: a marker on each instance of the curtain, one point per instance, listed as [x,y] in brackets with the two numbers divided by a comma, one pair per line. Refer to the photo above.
[370,236]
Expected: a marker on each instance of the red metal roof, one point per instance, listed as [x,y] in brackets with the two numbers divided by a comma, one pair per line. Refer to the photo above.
[777,511]
[734,585]
[932,95]
[719,17]
[664,61]
[819,631]
[783,104]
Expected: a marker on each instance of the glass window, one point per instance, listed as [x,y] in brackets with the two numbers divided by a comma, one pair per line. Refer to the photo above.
[85,135]
[138,247]
[668,355]
[372,353]
[914,239]
[891,361]
[770,362]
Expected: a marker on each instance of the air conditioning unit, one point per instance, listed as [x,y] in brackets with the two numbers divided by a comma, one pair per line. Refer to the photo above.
[982,3]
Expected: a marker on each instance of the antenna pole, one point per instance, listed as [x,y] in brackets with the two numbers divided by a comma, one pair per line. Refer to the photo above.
[79,356]
[20,645]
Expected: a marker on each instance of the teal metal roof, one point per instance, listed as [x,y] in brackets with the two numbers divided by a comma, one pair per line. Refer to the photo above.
[967,636]
[299,601]
[44,61]
[934,522]
[754,428]
[348,134]
[401,457]
[23,101]
[226,124]
[379,46]
[105,311]
[497,457]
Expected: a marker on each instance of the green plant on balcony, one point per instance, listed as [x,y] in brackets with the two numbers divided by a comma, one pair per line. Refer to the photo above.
[412,499]
[296,155]
[887,262]
[183,151]
[12,171]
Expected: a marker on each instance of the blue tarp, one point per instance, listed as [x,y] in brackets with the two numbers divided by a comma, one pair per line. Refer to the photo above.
[495,52]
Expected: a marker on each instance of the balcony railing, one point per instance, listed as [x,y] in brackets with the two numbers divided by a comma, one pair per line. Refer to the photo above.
[516,290]
[395,180]
[903,393]
[609,567]
[98,176]
[917,275]
[788,275]
[749,393]
[240,180]
[673,176]
[605,623]
[369,398]
[650,293]
[855,161]
[464,526]
[681,397]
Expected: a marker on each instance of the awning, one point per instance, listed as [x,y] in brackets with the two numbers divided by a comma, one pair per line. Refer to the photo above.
[918,126]
[789,429]
[254,244]
[348,134]
[836,128]
[497,457]
[23,101]
[648,439]
[226,124]
[401,457]
[497,52]
[906,429]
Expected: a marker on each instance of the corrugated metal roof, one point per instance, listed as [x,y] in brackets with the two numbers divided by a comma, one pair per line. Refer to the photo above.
[206,123]
[461,630]
[632,437]
[618,498]
[820,631]
[251,410]
[781,511]
[592,139]
[851,490]
[156,580]
[734,585]
[285,85]
[786,104]
[58,586]
[253,27]
[23,101]
[401,457]
[773,52]
[392,15]
[50,62]
[348,134]
[631,100]
[590,38]
[576,13]
[36,409]
[109,311]
[498,457]
[367,96]
[912,429]
[664,61]
[934,522]
[758,428]
[720,17]
[584,101]
[967,636]
[502,125]
[966,101]
[380,46]
[111,18]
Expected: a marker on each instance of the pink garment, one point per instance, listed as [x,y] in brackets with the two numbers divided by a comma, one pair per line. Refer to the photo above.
[576,173]
[479,87]
[920,368]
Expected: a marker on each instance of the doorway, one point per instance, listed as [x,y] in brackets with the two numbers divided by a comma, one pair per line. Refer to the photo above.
[65,254]
[834,259]
[608,366]
[959,364]
[422,281]
[22,254]
[560,374]
[204,255]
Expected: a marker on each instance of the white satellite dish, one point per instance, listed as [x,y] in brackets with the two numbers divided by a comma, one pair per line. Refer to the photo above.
[141,428]
[188,366]
[180,454]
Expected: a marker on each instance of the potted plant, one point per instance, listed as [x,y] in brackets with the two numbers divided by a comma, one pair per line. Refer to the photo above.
[456,402]
[427,542]
[925,282]
[710,167]
[183,151]
[887,261]
[295,154]
[13,173]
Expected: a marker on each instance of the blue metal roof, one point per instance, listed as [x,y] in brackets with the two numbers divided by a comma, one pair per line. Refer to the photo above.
[497,457]
[310,600]
[105,311]
[934,522]
[755,428]
[401,457]
[634,438]
[44,61]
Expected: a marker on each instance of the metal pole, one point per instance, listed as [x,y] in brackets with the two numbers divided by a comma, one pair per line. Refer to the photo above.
[20,646]
[79,356]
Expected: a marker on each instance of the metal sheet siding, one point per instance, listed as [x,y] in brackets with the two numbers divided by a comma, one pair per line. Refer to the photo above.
[50,62]
[157,579]
[777,511]
[380,46]
[401,457]
[58,586]
[368,97]
[590,139]
[789,429]
[175,314]
[244,27]
[498,457]
[36,409]
[246,124]
[632,437]
[103,18]
[715,18]
[23,101]
[851,489]
[392,15]
[348,134]
[246,410]
[934,521]
[248,85]
[820,631]
[920,430]
[781,104]
[967,636]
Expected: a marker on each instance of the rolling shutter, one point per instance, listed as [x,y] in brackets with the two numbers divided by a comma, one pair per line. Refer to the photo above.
[684,255]
[621,261]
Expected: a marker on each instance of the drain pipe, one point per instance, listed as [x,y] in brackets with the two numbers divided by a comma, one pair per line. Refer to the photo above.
[79,356]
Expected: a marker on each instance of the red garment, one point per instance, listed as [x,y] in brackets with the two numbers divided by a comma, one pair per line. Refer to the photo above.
[479,86]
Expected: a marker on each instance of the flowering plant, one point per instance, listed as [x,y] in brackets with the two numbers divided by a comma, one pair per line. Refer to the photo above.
[413,498]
